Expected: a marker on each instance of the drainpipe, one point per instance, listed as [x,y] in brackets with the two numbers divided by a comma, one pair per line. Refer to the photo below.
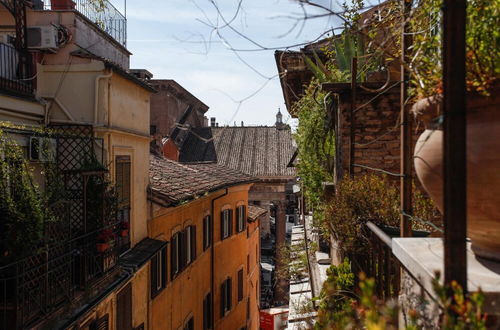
[212,259]
[96,94]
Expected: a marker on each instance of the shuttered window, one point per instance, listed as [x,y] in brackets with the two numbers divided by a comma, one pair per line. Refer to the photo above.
[175,255]
[189,244]
[101,323]
[207,312]
[207,232]
[226,292]
[158,272]
[248,308]
[189,324]
[226,223]
[240,285]
[123,192]
[241,223]
[124,308]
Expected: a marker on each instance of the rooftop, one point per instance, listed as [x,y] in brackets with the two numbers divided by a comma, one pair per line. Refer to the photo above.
[198,146]
[173,183]
[259,151]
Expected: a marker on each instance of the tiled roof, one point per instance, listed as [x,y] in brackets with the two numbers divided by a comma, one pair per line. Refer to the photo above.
[198,146]
[257,151]
[254,212]
[173,183]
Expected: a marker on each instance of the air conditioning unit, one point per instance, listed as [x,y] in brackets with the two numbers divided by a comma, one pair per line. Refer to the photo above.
[42,37]
[42,149]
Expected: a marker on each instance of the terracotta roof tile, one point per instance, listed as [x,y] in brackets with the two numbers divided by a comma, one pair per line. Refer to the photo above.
[257,151]
[173,183]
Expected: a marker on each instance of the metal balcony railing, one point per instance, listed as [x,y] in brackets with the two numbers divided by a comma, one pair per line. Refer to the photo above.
[15,71]
[100,12]
[378,261]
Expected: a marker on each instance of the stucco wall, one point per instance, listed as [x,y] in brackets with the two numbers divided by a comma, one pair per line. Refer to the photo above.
[183,296]
[85,35]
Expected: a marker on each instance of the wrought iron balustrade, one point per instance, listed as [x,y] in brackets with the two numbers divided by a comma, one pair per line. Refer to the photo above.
[68,261]
[100,12]
[378,261]
[16,76]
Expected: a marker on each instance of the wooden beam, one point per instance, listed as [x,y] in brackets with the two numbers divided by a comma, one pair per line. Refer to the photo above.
[406,180]
[352,139]
[454,142]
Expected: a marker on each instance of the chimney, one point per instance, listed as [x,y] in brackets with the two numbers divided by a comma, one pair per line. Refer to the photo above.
[212,121]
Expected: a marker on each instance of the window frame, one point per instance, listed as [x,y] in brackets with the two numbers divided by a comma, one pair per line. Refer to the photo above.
[207,312]
[207,232]
[226,296]
[241,280]
[241,224]
[226,223]
[158,272]
[175,246]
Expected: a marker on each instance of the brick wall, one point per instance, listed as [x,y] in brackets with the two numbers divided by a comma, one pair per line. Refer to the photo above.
[377,131]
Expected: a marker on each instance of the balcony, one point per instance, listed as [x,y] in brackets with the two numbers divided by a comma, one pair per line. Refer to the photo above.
[102,13]
[16,76]
[77,258]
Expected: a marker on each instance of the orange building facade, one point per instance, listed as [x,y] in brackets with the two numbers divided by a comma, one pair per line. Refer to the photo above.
[207,277]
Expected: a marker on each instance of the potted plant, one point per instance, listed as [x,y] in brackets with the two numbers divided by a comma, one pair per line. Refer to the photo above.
[104,240]
[483,117]
[124,228]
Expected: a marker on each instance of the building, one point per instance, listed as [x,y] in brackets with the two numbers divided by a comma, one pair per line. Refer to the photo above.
[207,277]
[75,81]
[263,152]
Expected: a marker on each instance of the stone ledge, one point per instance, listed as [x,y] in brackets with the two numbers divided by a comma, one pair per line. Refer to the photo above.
[422,257]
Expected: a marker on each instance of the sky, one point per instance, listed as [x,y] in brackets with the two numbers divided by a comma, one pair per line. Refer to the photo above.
[186,40]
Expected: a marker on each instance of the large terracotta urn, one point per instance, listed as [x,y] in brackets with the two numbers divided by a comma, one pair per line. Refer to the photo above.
[483,166]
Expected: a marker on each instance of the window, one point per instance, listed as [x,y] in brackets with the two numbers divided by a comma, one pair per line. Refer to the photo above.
[226,223]
[158,272]
[189,245]
[226,296]
[240,218]
[189,324]
[100,324]
[124,308]
[248,308]
[207,232]
[207,312]
[175,255]
[240,285]
[122,179]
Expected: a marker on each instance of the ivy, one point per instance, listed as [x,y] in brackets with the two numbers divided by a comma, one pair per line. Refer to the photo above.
[23,209]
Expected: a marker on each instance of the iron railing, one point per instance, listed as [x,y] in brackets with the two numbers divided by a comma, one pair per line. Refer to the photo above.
[378,262]
[100,12]
[37,286]
[70,259]
[15,71]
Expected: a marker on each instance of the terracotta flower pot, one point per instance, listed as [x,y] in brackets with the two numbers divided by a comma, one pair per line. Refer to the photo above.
[102,247]
[483,168]
[62,4]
